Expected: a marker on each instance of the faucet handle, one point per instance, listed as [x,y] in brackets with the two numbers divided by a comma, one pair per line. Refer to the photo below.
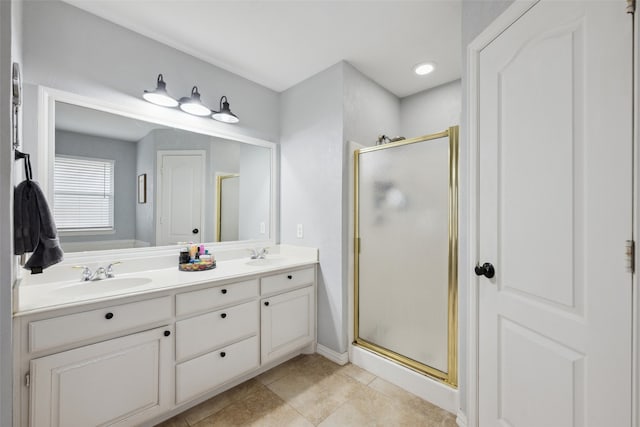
[86,272]
[109,271]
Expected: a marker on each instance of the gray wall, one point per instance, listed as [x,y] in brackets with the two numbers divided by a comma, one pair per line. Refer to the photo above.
[369,109]
[254,192]
[311,188]
[476,16]
[125,187]
[431,111]
[318,116]
[69,49]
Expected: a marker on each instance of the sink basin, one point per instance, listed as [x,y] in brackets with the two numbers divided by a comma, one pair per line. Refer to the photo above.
[265,262]
[100,286]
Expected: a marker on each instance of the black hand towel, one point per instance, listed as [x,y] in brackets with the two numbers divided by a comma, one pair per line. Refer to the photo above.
[34,228]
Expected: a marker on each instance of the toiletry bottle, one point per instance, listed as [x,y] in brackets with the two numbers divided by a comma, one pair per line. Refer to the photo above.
[184,256]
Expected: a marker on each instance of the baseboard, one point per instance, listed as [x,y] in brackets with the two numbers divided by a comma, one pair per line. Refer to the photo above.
[334,356]
[461,419]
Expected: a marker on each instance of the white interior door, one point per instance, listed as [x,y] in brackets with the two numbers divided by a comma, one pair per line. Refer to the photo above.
[181,189]
[554,203]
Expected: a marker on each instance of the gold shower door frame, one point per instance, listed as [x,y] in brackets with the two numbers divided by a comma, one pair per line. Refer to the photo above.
[451,376]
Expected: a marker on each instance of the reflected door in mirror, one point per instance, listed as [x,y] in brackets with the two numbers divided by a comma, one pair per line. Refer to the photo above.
[181,187]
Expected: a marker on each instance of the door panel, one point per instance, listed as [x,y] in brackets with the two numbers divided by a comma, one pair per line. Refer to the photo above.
[182,188]
[554,205]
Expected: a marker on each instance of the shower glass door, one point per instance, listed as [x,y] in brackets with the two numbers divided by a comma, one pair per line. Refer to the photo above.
[406,252]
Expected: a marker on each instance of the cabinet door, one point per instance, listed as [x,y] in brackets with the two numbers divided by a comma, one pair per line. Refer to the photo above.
[287,323]
[125,381]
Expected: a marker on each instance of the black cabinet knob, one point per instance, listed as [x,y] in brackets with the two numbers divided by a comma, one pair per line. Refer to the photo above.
[223,315]
[167,333]
[266,303]
[485,270]
[223,354]
[289,277]
[224,291]
[195,231]
[108,316]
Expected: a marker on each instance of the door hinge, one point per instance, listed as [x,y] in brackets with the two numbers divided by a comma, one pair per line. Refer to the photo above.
[630,253]
[631,6]
[27,379]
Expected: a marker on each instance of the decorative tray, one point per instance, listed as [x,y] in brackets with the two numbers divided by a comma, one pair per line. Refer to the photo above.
[197,266]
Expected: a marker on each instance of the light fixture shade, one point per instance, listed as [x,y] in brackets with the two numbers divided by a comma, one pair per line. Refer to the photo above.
[225,114]
[160,96]
[193,105]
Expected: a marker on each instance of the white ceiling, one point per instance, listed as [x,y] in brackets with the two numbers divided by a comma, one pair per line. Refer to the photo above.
[77,119]
[280,43]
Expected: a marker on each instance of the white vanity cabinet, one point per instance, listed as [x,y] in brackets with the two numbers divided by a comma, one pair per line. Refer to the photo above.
[136,360]
[287,313]
[120,381]
[106,366]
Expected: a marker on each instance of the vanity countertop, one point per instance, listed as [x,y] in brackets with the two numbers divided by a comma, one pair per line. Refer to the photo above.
[35,298]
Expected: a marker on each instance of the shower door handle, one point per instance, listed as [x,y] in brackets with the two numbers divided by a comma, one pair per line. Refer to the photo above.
[485,270]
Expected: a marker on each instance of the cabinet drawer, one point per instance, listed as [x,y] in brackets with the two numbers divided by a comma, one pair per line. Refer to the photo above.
[213,369]
[288,280]
[64,330]
[211,330]
[206,299]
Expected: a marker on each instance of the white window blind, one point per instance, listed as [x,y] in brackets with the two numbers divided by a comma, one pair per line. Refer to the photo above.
[83,193]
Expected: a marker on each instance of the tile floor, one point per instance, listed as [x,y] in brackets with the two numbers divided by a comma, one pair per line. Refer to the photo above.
[310,390]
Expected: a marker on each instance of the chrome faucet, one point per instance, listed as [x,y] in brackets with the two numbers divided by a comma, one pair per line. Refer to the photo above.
[100,273]
[259,253]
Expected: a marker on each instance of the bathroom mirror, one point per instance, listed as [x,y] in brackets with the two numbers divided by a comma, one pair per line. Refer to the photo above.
[120,182]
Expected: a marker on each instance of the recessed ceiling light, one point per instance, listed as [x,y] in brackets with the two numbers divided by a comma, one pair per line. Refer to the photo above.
[424,68]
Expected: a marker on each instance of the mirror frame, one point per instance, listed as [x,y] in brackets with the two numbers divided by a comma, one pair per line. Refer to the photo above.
[47,98]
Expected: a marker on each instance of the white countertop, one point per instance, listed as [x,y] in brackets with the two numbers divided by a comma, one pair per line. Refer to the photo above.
[40,297]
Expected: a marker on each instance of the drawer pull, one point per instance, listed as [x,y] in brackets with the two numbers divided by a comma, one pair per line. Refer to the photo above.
[266,303]
[167,333]
[223,354]
[224,291]
[289,277]
[223,315]
[108,316]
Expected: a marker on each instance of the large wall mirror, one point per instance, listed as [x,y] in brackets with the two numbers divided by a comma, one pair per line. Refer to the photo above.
[121,182]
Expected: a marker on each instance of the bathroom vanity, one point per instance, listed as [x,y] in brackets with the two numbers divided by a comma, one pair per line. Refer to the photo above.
[160,342]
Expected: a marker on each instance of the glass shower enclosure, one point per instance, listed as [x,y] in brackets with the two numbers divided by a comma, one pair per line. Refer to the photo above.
[406,238]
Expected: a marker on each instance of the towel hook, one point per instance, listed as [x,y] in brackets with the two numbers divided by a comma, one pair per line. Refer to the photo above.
[28,173]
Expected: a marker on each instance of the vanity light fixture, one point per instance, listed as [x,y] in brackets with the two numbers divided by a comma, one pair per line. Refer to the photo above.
[225,114]
[189,104]
[424,68]
[193,105]
[160,96]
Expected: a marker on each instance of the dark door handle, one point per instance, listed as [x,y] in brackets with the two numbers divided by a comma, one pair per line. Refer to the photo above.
[485,270]
[195,231]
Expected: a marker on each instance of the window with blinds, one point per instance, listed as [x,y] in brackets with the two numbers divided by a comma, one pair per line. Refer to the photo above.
[83,193]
